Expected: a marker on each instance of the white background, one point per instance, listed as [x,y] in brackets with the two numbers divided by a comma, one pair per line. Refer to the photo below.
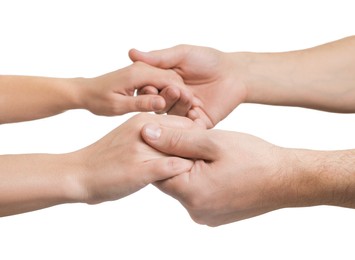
[89,38]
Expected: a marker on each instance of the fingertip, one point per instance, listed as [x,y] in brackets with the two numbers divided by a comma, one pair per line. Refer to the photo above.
[179,165]
[169,167]
[132,54]
[192,114]
[148,90]
[158,104]
[135,54]
[173,93]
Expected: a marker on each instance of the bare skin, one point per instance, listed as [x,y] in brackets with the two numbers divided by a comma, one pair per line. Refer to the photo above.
[26,98]
[115,166]
[322,77]
[237,176]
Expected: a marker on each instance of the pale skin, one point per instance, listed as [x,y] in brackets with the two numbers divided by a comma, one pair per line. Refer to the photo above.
[107,170]
[115,166]
[26,98]
[254,177]
[237,176]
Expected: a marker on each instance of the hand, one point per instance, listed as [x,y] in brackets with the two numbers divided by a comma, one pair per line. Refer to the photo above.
[121,163]
[113,93]
[208,74]
[234,176]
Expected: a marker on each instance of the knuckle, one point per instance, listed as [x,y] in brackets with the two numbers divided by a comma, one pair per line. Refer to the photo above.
[134,70]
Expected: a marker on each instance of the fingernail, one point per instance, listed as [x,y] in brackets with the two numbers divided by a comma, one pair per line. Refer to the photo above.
[157,104]
[153,132]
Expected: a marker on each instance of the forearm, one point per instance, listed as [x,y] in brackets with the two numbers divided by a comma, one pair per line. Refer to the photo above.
[320,178]
[25,98]
[35,181]
[322,77]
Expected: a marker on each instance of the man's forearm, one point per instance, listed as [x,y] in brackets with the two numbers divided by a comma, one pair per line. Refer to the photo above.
[34,181]
[322,77]
[25,98]
[320,178]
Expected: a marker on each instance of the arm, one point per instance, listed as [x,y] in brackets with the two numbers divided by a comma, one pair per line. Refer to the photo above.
[115,166]
[237,176]
[322,77]
[26,98]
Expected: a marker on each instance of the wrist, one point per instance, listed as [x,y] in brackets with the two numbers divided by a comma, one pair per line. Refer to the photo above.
[72,184]
[80,92]
[237,73]
[253,75]
[321,178]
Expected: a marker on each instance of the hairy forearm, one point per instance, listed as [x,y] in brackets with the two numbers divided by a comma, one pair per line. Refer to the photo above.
[320,178]
[322,77]
[25,98]
[34,181]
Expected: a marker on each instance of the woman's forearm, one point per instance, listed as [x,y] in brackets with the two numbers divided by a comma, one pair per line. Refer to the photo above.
[34,181]
[25,98]
[322,77]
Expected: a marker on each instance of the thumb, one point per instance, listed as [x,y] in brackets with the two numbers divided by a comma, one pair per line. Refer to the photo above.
[164,59]
[144,103]
[192,143]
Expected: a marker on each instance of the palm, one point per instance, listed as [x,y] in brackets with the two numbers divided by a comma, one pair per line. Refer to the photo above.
[207,73]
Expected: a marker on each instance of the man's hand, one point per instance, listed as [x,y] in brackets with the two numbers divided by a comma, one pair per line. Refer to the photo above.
[237,176]
[113,93]
[209,74]
[234,176]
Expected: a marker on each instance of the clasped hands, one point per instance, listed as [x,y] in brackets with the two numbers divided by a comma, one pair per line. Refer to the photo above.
[218,176]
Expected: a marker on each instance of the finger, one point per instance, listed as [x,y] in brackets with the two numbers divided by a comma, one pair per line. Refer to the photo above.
[171,95]
[164,168]
[144,103]
[182,105]
[197,113]
[143,75]
[165,59]
[200,123]
[178,101]
[188,143]
[148,90]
